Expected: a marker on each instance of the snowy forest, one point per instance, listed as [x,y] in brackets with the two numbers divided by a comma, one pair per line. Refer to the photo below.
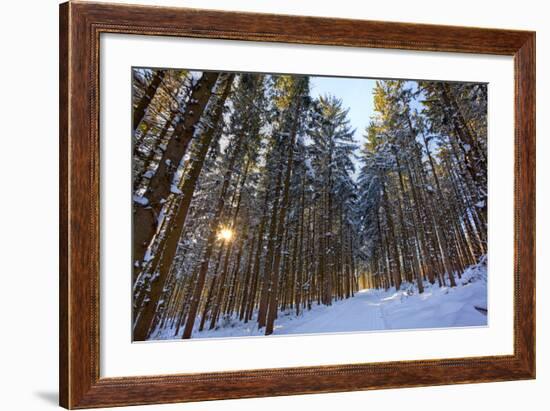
[262,206]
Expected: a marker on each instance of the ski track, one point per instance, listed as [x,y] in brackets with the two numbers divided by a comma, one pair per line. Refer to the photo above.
[359,313]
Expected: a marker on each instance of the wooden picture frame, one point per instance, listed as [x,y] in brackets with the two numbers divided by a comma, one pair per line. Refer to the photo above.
[80,27]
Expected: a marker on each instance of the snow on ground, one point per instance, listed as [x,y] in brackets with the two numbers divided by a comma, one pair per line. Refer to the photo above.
[372,310]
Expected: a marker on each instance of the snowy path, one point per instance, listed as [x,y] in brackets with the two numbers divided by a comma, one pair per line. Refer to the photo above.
[359,313]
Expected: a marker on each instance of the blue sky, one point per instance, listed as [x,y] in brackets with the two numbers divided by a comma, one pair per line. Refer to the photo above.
[356,94]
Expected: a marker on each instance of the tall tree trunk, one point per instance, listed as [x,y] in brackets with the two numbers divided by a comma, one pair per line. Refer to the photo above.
[398,275]
[299,274]
[148,160]
[243,298]
[257,259]
[266,284]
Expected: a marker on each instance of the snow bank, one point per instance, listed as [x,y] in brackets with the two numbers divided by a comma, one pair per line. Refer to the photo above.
[461,306]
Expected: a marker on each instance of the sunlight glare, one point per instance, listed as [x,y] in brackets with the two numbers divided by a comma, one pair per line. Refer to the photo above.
[225,234]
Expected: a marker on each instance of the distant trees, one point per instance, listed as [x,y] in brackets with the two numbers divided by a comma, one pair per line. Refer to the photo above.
[247,201]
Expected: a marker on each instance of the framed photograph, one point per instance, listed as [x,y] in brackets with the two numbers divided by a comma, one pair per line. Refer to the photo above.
[258,205]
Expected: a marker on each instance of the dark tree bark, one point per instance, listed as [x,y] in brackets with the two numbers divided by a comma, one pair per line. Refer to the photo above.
[141,108]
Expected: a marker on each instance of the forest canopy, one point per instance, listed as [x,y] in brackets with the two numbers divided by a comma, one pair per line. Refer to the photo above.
[255,195]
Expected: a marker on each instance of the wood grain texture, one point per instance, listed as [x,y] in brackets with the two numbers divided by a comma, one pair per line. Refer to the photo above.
[80,27]
[63,205]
